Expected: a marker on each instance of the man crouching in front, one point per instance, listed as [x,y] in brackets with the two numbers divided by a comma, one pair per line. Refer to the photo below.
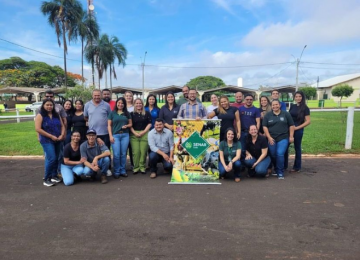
[96,157]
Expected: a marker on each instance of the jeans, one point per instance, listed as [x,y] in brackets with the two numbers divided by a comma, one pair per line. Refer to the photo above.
[103,164]
[68,171]
[261,168]
[155,158]
[61,156]
[243,145]
[236,169]
[277,152]
[119,148]
[139,147]
[298,135]
[68,137]
[52,152]
[106,140]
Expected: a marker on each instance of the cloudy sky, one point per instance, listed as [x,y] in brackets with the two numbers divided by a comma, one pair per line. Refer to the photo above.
[257,40]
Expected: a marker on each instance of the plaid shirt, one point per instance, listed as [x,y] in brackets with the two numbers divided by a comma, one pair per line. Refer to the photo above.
[188,111]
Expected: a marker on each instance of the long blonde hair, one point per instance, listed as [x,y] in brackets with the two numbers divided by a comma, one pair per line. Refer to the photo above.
[132,96]
[143,107]
[220,109]
[268,106]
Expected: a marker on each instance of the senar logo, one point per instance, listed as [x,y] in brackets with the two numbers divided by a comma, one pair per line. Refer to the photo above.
[188,145]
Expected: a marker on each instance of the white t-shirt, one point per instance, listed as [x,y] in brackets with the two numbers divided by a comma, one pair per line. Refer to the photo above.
[130,109]
[211,109]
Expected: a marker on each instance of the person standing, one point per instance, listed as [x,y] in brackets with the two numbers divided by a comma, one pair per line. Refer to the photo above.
[152,107]
[300,113]
[96,112]
[106,96]
[214,104]
[51,131]
[129,97]
[119,123]
[69,110]
[238,100]
[264,108]
[95,157]
[185,98]
[169,111]
[141,123]
[193,109]
[161,142]
[78,120]
[279,129]
[276,95]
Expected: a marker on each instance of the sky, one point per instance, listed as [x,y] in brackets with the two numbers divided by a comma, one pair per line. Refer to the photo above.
[256,40]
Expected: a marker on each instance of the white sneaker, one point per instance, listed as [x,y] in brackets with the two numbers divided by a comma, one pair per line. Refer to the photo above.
[108,173]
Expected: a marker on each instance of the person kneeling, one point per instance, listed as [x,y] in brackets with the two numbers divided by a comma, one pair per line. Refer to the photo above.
[161,142]
[230,151]
[257,160]
[96,157]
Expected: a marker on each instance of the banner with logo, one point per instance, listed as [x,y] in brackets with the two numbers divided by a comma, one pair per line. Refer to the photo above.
[196,152]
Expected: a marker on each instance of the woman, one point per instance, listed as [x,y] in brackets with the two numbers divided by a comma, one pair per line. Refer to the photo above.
[264,108]
[152,107]
[69,110]
[78,121]
[141,123]
[230,152]
[228,115]
[279,129]
[73,163]
[214,104]
[119,123]
[169,111]
[257,159]
[51,130]
[300,113]
[129,97]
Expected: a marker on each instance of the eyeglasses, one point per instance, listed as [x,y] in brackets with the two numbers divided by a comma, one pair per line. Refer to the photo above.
[248,99]
[49,96]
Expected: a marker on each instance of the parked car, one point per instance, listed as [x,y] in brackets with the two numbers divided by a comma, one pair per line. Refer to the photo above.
[33,106]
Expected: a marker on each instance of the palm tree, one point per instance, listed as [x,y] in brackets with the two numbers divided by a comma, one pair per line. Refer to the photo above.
[63,15]
[88,30]
[119,53]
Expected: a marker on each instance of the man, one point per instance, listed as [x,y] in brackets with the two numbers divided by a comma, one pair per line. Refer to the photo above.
[96,112]
[275,95]
[238,100]
[185,98]
[161,142]
[249,115]
[106,96]
[192,109]
[96,156]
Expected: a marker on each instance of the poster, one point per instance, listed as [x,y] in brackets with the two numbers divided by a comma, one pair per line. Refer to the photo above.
[196,152]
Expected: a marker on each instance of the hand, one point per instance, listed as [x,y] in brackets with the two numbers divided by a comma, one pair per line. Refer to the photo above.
[137,135]
[171,127]
[248,157]
[54,138]
[291,140]
[172,161]
[254,165]
[124,127]
[99,141]
[95,168]
[82,160]
[112,140]
[166,157]
[198,118]
[95,162]
[61,137]
[238,135]
[271,141]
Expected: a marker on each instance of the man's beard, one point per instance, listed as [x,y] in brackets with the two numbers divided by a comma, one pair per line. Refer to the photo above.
[106,99]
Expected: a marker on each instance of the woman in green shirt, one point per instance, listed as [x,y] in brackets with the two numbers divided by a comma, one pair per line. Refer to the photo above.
[119,124]
[230,152]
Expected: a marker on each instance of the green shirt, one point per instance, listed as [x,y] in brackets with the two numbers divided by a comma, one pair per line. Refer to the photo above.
[118,121]
[278,125]
[229,152]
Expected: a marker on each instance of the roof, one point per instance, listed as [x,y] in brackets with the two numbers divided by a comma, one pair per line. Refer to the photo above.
[17,90]
[230,88]
[336,80]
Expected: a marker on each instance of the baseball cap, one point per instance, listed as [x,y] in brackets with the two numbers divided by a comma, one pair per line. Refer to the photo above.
[91,131]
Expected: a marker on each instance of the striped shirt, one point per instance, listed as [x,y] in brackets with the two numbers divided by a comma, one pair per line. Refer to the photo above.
[189,111]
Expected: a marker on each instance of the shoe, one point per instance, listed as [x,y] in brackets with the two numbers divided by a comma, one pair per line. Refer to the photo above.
[103,179]
[273,174]
[153,175]
[55,179]
[268,173]
[237,180]
[143,172]
[294,170]
[135,172]
[124,175]
[48,183]
[108,173]
[116,176]
[77,177]
[281,178]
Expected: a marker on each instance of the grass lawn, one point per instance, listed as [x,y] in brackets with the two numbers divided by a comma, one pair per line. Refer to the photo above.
[325,135]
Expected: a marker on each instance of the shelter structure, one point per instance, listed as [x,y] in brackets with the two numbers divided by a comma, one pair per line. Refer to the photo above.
[287,92]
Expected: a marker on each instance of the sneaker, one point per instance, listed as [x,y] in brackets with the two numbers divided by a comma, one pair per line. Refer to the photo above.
[48,183]
[273,174]
[153,175]
[108,173]
[103,179]
[55,179]
[281,178]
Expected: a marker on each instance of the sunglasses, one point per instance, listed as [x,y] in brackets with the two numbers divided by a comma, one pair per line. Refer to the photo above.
[49,96]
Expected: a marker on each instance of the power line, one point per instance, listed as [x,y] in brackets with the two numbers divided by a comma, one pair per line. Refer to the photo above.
[324,63]
[321,68]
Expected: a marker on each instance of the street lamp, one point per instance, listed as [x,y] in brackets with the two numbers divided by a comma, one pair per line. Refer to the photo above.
[143,78]
[297,68]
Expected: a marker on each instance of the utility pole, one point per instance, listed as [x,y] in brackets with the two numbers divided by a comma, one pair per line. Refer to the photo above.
[297,68]
[91,8]
[143,76]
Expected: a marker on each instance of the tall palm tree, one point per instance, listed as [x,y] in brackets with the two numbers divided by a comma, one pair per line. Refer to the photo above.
[63,15]
[118,52]
[88,30]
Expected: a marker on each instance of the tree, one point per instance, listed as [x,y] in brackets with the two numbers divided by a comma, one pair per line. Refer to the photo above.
[308,91]
[205,82]
[63,15]
[342,91]
[118,52]
[12,63]
[79,92]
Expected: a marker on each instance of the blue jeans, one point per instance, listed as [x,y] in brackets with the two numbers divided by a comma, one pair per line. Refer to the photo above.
[119,148]
[261,168]
[155,158]
[298,135]
[68,171]
[61,156]
[277,154]
[243,145]
[52,152]
[236,169]
[106,140]
[103,164]
[68,137]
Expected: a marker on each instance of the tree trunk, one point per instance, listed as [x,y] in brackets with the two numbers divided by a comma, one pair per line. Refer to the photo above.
[110,79]
[93,72]
[105,78]
[64,44]
[82,60]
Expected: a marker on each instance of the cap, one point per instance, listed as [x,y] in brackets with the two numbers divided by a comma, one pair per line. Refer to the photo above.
[91,131]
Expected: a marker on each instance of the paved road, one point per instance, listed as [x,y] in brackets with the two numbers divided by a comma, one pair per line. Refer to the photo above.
[310,215]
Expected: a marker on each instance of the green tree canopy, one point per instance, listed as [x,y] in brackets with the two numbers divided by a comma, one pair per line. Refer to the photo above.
[309,92]
[341,91]
[12,63]
[205,82]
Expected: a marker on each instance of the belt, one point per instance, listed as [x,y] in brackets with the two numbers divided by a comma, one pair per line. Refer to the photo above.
[121,132]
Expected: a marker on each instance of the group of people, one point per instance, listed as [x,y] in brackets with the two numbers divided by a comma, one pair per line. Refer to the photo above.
[77,139]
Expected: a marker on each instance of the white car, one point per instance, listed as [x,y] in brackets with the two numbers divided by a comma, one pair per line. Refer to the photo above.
[33,106]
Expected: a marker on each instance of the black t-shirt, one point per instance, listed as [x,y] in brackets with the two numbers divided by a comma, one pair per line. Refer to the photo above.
[278,125]
[227,119]
[255,149]
[140,121]
[294,110]
[71,154]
